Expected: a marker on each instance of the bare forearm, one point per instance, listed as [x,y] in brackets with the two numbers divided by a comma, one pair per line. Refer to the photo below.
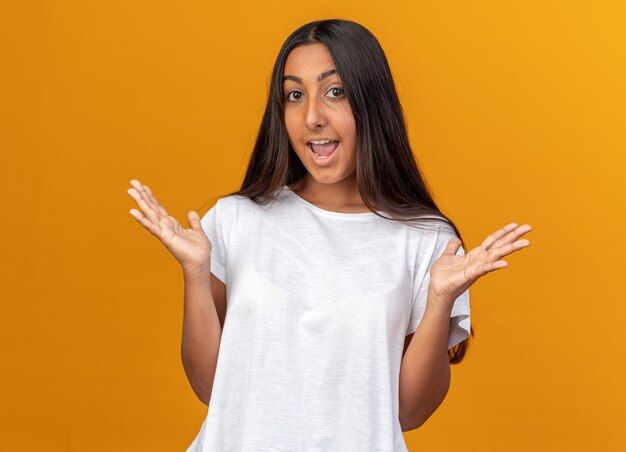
[425,369]
[201,333]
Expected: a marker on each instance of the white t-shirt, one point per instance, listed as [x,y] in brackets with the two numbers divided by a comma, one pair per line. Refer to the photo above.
[319,304]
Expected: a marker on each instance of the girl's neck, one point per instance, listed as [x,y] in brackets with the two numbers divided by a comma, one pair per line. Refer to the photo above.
[341,197]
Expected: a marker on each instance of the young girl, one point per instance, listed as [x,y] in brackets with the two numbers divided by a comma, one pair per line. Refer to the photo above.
[329,258]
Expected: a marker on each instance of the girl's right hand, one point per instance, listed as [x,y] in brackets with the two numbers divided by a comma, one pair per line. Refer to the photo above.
[191,247]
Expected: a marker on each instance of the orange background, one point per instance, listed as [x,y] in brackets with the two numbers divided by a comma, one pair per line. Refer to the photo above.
[516,111]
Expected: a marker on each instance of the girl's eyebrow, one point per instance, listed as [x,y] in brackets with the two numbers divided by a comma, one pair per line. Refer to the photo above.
[320,77]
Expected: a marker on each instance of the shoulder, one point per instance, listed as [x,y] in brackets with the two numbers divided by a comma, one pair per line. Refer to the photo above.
[429,243]
[230,201]
[231,204]
[431,229]
[238,209]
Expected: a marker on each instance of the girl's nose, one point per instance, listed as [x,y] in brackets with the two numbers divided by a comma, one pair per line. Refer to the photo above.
[315,115]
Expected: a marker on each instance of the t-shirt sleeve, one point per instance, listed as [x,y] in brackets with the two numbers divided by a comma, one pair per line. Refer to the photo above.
[460,316]
[212,224]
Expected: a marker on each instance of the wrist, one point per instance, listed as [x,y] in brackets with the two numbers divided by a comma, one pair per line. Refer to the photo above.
[197,273]
[439,303]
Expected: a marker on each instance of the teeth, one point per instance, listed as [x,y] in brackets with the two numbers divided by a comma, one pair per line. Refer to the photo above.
[320,141]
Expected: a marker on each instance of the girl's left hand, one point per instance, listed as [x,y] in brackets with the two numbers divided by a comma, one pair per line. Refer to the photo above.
[451,275]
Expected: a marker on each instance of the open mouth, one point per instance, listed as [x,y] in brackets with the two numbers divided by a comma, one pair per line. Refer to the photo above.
[323,149]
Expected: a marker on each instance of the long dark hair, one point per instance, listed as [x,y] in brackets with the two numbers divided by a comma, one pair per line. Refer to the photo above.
[387,175]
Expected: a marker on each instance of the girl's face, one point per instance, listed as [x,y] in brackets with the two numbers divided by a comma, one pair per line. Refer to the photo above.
[316,109]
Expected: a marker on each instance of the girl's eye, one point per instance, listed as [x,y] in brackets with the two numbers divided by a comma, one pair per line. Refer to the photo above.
[291,99]
[338,92]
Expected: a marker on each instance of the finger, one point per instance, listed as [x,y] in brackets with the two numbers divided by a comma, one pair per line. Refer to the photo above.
[194,220]
[146,196]
[161,209]
[491,239]
[135,183]
[498,264]
[512,236]
[138,186]
[489,267]
[146,208]
[146,223]
[453,246]
[505,250]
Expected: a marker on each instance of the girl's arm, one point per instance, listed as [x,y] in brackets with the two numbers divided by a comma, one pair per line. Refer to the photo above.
[425,368]
[205,295]
[202,331]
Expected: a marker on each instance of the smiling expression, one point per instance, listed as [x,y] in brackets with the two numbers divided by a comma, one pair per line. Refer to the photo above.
[316,108]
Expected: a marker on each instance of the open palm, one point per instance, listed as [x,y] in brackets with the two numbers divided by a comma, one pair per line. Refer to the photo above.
[190,247]
[451,275]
